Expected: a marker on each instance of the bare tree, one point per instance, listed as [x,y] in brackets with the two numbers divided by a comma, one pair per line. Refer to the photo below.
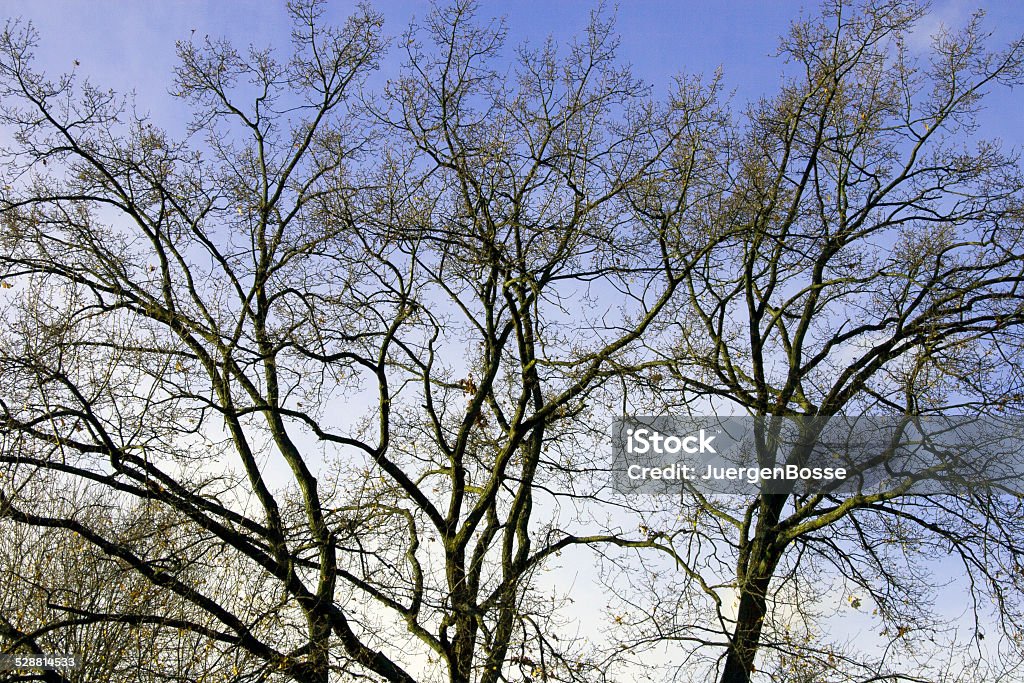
[343,352]
[325,384]
[61,594]
[870,263]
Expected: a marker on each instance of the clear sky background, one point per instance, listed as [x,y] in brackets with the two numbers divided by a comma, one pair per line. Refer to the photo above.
[130,45]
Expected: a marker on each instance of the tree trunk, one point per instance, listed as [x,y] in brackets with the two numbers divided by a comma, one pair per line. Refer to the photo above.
[739,662]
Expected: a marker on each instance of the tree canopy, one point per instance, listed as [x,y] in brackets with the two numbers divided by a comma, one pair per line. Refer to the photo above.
[321,390]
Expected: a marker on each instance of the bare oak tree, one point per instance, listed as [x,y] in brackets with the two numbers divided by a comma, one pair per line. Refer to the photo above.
[870,262]
[319,390]
[340,350]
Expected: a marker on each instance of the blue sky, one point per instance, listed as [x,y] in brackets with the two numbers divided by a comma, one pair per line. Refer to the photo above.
[131,45]
[128,46]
